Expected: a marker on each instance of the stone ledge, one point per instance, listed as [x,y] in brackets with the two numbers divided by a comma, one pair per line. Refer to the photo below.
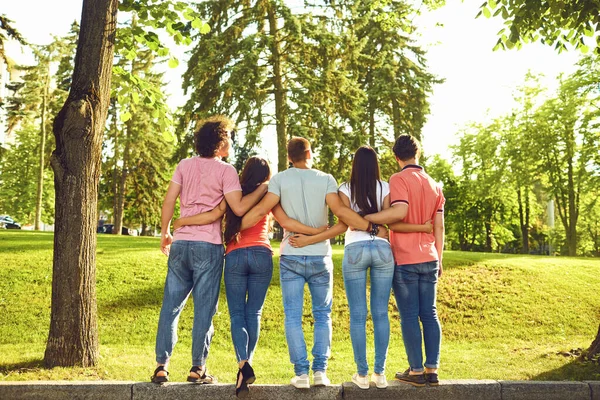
[535,390]
[55,390]
[595,388]
[447,390]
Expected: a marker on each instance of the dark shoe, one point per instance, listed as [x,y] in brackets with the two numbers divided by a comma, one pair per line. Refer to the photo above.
[415,380]
[242,390]
[432,379]
[159,379]
[248,373]
[203,379]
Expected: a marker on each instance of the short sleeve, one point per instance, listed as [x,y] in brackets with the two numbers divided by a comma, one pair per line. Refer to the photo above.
[385,189]
[344,188]
[332,186]
[231,181]
[177,175]
[441,201]
[398,190]
[275,185]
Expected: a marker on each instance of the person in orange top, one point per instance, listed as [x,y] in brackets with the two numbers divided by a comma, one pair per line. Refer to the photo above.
[416,198]
[248,266]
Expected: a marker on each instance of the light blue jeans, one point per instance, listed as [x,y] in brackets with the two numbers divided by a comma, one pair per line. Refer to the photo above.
[375,256]
[294,273]
[248,273]
[194,267]
[415,287]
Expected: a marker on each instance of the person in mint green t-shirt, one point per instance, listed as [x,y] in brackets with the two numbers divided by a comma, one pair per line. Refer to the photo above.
[305,194]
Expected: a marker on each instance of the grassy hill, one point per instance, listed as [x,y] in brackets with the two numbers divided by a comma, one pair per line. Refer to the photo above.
[503,317]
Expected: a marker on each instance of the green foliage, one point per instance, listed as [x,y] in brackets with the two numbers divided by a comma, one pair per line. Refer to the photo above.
[519,311]
[558,23]
[19,168]
[545,149]
[337,73]
[7,31]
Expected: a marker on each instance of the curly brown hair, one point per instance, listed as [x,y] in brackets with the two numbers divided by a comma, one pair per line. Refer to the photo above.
[212,133]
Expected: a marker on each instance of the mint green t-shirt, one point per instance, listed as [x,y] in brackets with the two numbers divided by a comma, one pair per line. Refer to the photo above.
[302,195]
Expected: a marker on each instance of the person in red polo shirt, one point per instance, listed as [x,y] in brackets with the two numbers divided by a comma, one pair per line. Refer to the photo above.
[415,199]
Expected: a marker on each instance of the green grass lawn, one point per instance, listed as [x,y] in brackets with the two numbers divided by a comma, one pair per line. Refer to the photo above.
[503,317]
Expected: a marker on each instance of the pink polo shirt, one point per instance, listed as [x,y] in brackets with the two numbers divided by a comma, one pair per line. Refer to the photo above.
[412,186]
[204,182]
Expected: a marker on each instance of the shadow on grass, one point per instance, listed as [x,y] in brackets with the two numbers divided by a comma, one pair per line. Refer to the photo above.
[576,370]
[23,366]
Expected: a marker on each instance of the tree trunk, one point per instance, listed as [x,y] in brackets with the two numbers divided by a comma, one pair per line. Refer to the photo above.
[40,182]
[76,161]
[280,100]
[594,349]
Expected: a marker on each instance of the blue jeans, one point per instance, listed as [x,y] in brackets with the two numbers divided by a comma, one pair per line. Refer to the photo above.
[358,258]
[415,291]
[194,267]
[294,273]
[248,273]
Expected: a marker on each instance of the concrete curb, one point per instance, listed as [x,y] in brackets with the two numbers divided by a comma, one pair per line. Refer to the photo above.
[447,390]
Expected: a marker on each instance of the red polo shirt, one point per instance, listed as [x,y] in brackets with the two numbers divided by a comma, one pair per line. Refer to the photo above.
[412,186]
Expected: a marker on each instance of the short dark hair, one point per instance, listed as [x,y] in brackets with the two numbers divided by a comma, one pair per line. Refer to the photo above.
[211,135]
[407,147]
[297,148]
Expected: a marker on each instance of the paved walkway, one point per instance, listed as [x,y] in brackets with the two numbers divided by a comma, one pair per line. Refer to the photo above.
[448,390]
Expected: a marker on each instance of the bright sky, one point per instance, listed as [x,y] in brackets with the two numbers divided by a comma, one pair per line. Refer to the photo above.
[478,81]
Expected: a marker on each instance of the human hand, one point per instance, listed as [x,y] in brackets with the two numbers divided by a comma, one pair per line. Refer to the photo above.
[383,232]
[440,270]
[165,243]
[177,224]
[320,229]
[428,226]
[299,240]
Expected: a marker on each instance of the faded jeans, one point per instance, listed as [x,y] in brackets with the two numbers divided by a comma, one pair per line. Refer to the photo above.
[375,256]
[294,273]
[415,287]
[248,273]
[194,267]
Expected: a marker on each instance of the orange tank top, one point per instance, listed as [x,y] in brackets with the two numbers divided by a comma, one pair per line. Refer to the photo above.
[258,235]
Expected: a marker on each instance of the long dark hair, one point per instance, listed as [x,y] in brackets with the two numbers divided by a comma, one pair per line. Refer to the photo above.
[364,179]
[256,171]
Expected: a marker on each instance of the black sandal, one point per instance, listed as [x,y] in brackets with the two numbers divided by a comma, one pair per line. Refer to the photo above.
[204,379]
[159,379]
[241,391]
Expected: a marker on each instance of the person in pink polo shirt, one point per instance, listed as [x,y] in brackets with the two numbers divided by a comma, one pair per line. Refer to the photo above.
[196,252]
[416,198]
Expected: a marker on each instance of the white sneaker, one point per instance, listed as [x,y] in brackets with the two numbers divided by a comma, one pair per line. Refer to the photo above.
[301,382]
[321,379]
[360,381]
[379,380]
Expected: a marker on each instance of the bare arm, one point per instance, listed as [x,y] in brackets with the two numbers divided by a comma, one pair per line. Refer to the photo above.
[259,211]
[427,227]
[349,217]
[168,208]
[388,216]
[240,205]
[291,225]
[303,240]
[204,218]
[439,233]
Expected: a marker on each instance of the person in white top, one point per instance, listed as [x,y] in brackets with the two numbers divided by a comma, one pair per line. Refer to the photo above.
[366,194]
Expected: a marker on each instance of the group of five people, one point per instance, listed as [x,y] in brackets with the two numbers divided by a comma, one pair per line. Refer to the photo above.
[407,255]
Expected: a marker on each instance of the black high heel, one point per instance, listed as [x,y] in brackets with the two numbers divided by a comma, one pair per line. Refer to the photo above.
[248,373]
[241,391]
